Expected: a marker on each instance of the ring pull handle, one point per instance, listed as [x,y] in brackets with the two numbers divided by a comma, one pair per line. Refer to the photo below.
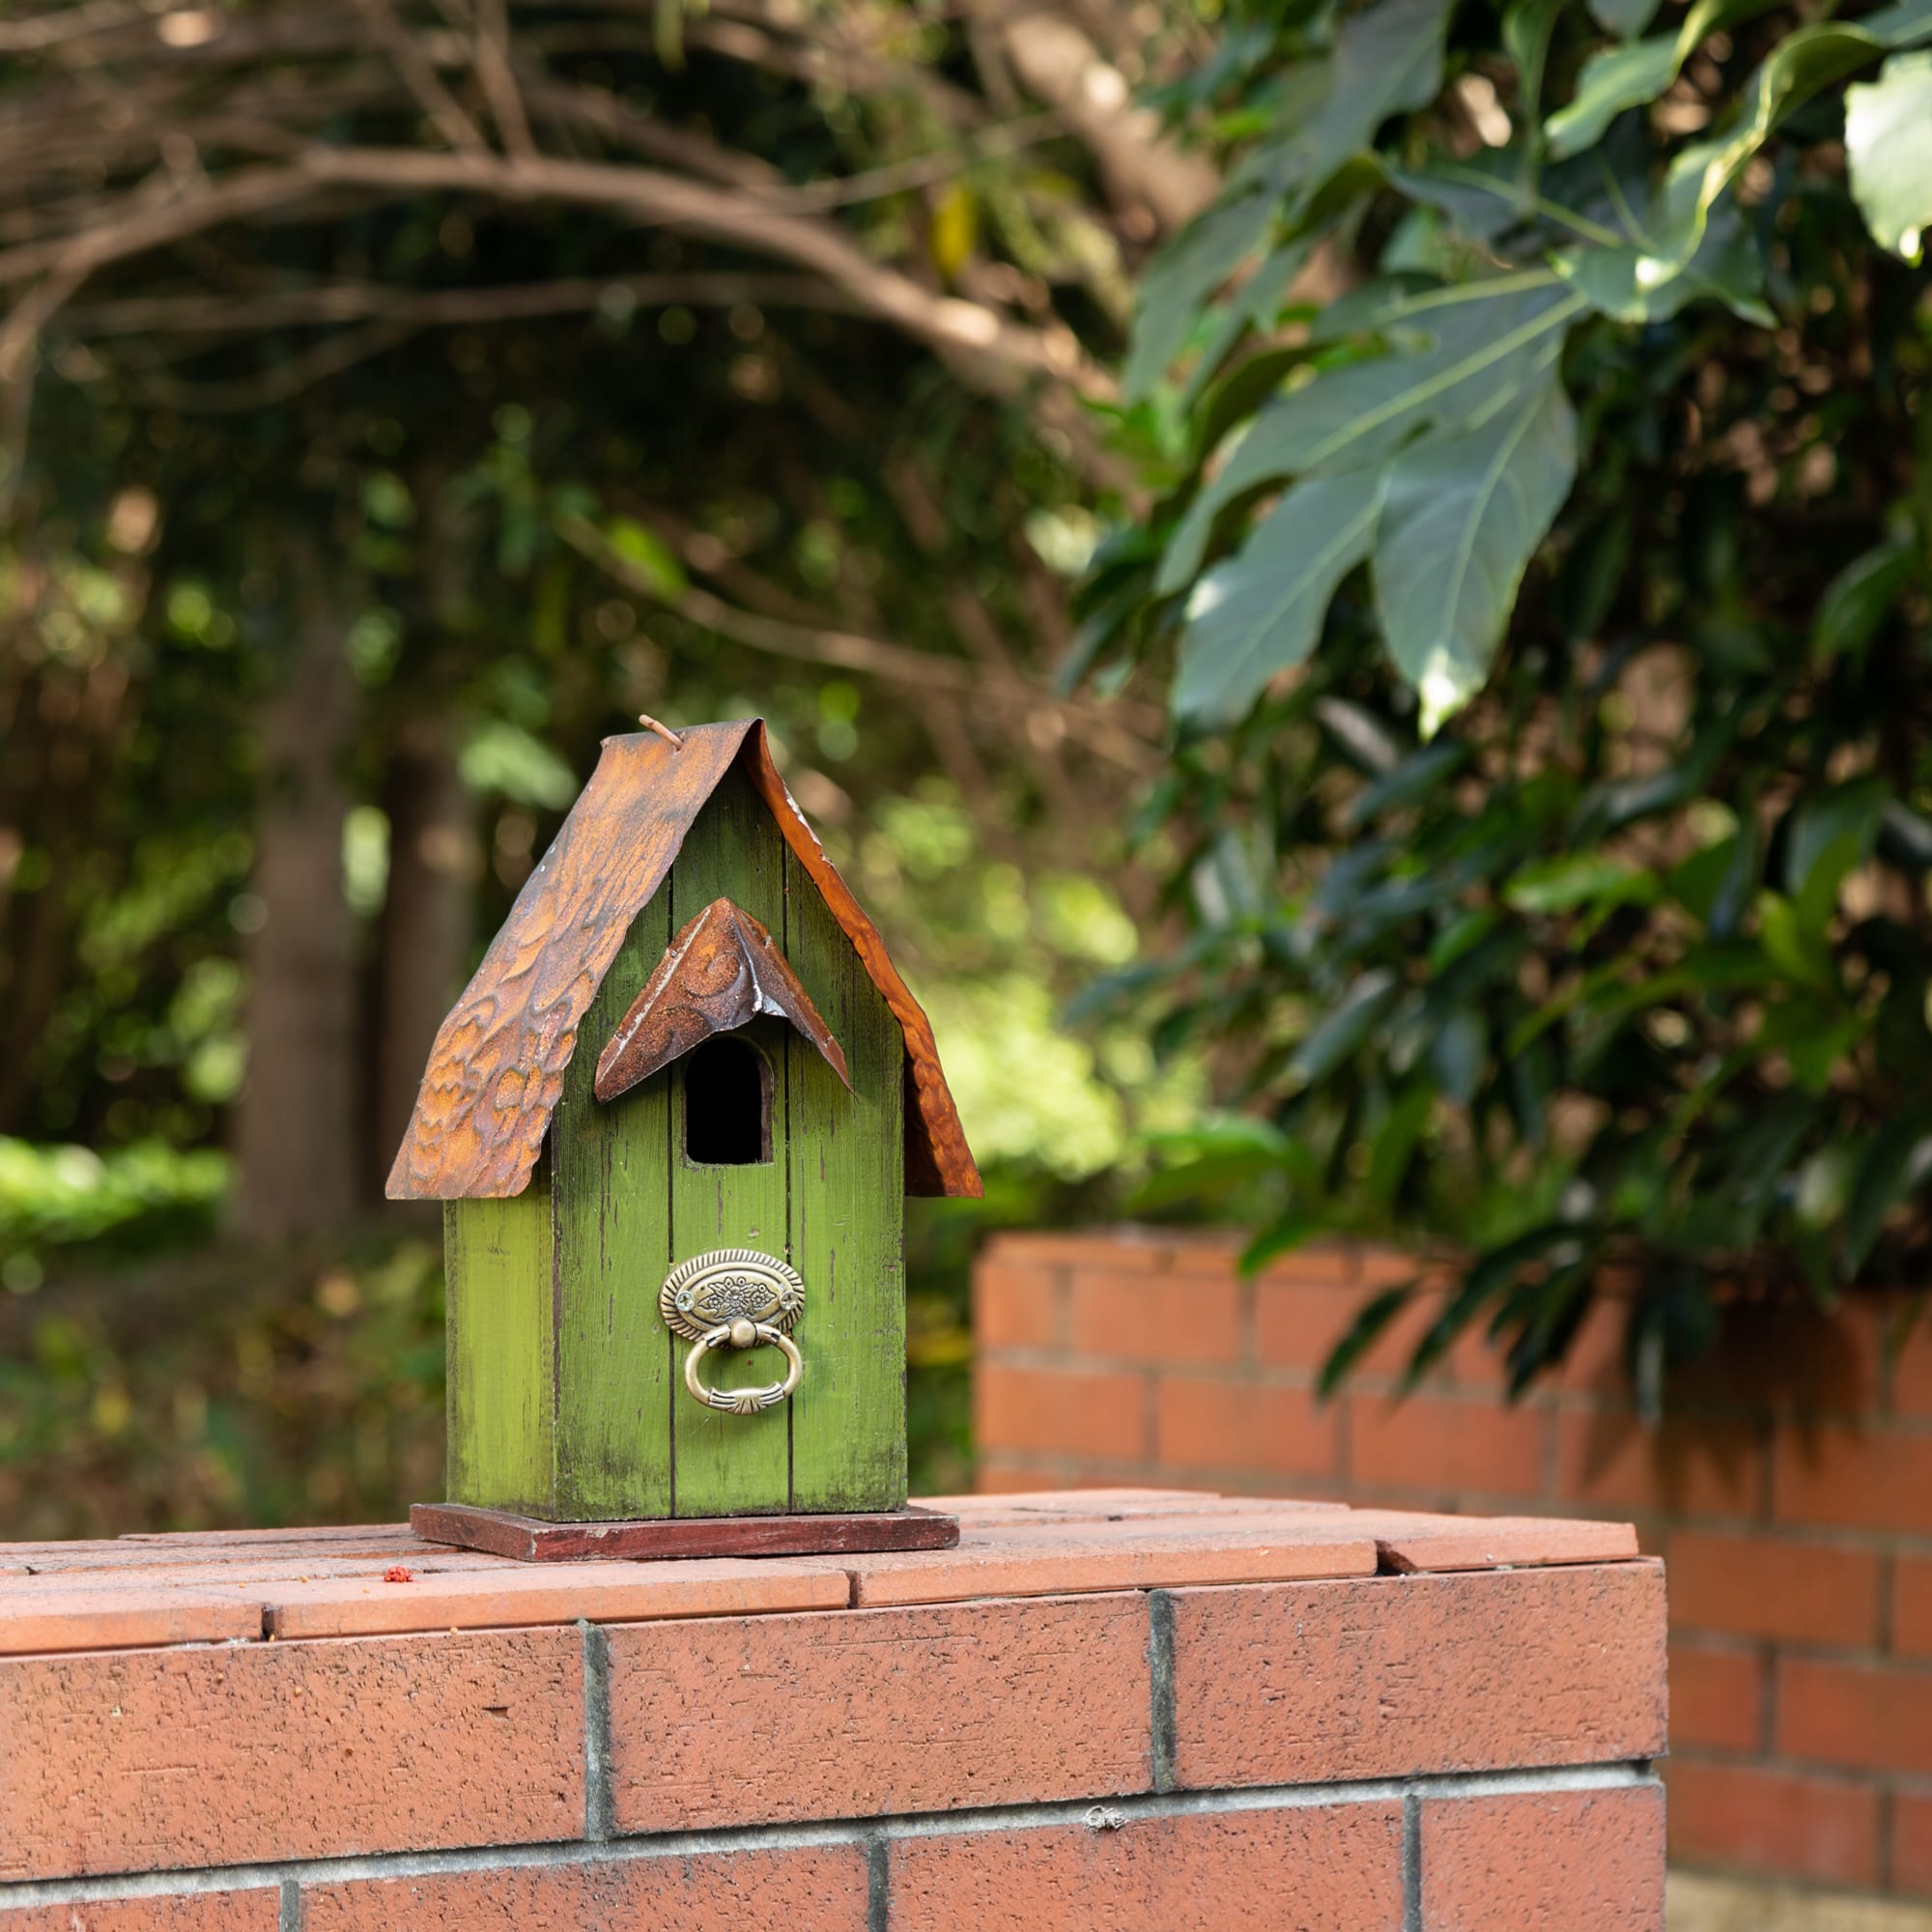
[743,1334]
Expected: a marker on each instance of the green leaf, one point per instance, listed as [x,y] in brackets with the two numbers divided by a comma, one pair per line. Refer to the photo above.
[1617,78]
[1182,278]
[1376,1315]
[1857,600]
[1896,1161]
[1341,1032]
[1262,610]
[1802,66]
[1484,344]
[1632,286]
[1889,146]
[502,758]
[654,561]
[1830,835]
[1458,1053]
[1254,306]
[1796,949]
[1461,521]
[1561,885]
[1623,17]
[1419,774]
[1280,1237]
[1387,60]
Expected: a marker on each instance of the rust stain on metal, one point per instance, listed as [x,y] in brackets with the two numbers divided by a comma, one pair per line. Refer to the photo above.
[496,1072]
[720,970]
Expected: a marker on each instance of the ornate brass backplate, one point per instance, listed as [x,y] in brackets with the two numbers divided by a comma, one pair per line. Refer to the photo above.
[737,1298]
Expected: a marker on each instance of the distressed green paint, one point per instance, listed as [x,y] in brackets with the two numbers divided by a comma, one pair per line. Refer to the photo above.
[847,1163]
[613,1249]
[732,1464]
[496,1260]
[566,1391]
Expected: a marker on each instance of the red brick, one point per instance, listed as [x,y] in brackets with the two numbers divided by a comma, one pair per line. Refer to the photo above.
[1341,1865]
[797,1889]
[998,1476]
[1781,1588]
[1155,1318]
[1867,1716]
[1124,1251]
[1377,1267]
[1445,1449]
[1297,1322]
[1773,1822]
[1594,1362]
[139,1760]
[1041,1560]
[1016,1306]
[255,1908]
[1204,1423]
[1716,1697]
[1544,1861]
[1912,1372]
[1062,1411]
[1109,1502]
[870,1712]
[1292,1683]
[525,1594]
[1861,1480]
[1408,1543]
[1788,1360]
[1912,1842]
[1689,1467]
[1912,1605]
[66,1612]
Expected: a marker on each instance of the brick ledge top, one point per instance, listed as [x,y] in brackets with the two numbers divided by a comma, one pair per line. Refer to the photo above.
[253,1586]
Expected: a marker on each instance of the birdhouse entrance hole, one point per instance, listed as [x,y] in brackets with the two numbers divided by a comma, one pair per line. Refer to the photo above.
[727,1104]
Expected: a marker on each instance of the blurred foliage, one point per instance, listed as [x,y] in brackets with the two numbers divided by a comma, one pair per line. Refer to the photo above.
[211,1390]
[1612,949]
[524,478]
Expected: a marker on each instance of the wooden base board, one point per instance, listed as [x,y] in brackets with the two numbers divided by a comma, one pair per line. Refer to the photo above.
[529,1539]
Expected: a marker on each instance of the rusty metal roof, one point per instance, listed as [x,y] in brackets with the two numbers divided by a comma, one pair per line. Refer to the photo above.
[496,1072]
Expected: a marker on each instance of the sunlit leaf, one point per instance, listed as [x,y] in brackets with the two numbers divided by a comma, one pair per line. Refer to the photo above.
[1261,611]
[1888,147]
[1484,344]
[1460,523]
[648,552]
[1617,78]
[1561,885]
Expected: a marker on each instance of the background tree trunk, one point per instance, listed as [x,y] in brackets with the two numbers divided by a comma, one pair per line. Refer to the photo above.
[295,1130]
[434,861]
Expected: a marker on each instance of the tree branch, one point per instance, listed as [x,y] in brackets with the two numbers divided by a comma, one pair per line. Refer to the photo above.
[211,314]
[847,650]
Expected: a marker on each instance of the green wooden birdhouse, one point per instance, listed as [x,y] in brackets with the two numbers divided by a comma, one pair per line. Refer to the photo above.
[673,1119]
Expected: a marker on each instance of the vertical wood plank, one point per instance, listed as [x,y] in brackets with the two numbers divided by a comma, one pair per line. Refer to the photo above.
[613,1221]
[732,1464]
[496,1265]
[847,1160]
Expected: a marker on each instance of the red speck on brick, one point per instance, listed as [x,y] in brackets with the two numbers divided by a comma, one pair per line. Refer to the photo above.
[396,1574]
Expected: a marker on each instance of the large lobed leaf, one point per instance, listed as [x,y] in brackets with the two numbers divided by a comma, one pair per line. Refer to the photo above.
[1461,521]
[1888,144]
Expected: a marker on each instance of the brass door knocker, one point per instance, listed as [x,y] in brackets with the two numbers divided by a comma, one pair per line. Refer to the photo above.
[735,1298]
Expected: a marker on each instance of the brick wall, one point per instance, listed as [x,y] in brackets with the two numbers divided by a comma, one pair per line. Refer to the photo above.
[1107,1713]
[1790,1490]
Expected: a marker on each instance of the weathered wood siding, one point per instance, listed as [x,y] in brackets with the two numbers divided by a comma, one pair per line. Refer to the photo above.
[566,1395]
